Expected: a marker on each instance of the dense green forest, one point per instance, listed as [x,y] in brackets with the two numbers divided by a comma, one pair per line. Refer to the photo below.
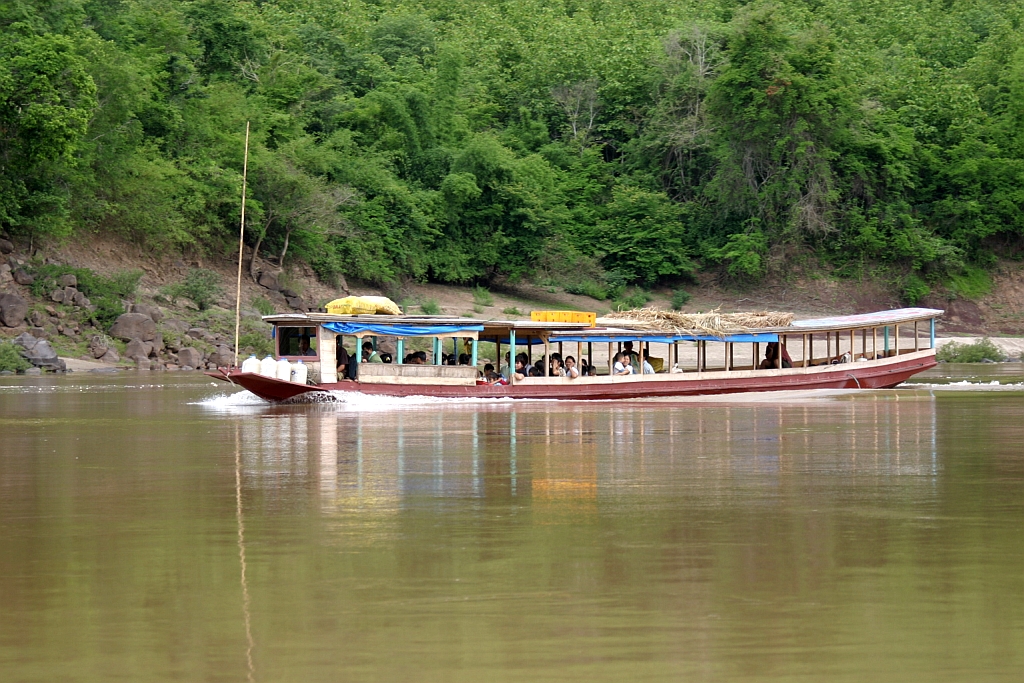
[597,142]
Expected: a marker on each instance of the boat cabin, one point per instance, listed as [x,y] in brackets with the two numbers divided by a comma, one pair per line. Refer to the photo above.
[316,338]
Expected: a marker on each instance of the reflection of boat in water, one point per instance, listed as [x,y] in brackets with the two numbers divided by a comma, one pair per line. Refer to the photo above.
[860,352]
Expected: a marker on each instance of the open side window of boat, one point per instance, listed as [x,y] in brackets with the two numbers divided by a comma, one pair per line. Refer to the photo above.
[297,342]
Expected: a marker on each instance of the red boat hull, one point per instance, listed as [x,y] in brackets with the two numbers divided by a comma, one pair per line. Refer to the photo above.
[880,374]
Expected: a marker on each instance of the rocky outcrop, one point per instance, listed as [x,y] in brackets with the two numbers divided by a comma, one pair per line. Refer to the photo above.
[13,310]
[138,349]
[190,357]
[39,353]
[154,312]
[22,276]
[130,326]
[223,357]
[269,280]
[6,246]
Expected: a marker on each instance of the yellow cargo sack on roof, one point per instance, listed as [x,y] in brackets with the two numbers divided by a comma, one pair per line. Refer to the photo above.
[363,305]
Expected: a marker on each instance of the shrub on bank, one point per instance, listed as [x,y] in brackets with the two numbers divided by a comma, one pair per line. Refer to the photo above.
[976,352]
[201,286]
[11,358]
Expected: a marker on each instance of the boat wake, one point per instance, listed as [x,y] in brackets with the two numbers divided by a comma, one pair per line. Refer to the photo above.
[350,400]
[965,384]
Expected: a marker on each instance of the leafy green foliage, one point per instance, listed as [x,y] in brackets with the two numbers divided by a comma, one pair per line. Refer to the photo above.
[254,342]
[976,352]
[638,298]
[915,289]
[262,306]
[680,298]
[604,145]
[11,358]
[430,307]
[201,286]
[511,310]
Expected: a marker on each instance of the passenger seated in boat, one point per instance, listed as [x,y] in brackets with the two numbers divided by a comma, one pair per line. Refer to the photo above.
[631,356]
[771,357]
[369,354]
[342,356]
[464,359]
[386,357]
[556,368]
[591,370]
[503,371]
[523,367]
[304,349]
[571,371]
[491,377]
[622,365]
[648,368]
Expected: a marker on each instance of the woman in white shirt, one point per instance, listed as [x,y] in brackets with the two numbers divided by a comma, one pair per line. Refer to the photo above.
[622,365]
[570,368]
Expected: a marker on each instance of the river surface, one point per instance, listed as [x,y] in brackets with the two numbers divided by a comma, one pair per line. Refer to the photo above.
[154,527]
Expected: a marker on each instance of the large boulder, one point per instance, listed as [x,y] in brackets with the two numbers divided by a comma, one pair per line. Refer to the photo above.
[80,299]
[138,349]
[190,357]
[110,356]
[269,280]
[39,353]
[13,310]
[223,357]
[23,277]
[153,312]
[297,303]
[68,280]
[6,246]
[130,326]
[179,326]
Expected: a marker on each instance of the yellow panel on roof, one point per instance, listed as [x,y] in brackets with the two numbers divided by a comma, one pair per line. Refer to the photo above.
[564,317]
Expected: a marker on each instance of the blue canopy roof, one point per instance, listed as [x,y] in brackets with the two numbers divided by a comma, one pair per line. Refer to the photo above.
[399,330]
[665,339]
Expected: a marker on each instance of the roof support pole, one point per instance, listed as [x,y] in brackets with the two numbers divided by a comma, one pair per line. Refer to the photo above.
[803,352]
[916,343]
[931,334]
[547,358]
[897,340]
[885,348]
[400,351]
[472,357]
[511,357]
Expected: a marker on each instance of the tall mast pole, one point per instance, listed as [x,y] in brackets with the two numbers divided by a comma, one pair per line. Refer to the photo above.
[241,236]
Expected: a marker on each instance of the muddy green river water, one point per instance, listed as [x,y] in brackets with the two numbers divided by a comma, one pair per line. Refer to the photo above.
[155,527]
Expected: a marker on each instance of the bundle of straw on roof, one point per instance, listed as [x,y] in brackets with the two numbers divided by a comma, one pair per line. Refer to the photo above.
[712,323]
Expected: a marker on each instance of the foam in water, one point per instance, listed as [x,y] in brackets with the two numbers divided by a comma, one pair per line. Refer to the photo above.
[349,399]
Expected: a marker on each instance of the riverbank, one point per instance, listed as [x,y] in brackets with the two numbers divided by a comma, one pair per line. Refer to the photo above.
[181,333]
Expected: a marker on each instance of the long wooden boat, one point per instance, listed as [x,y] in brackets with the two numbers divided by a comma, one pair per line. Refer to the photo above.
[881,350]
